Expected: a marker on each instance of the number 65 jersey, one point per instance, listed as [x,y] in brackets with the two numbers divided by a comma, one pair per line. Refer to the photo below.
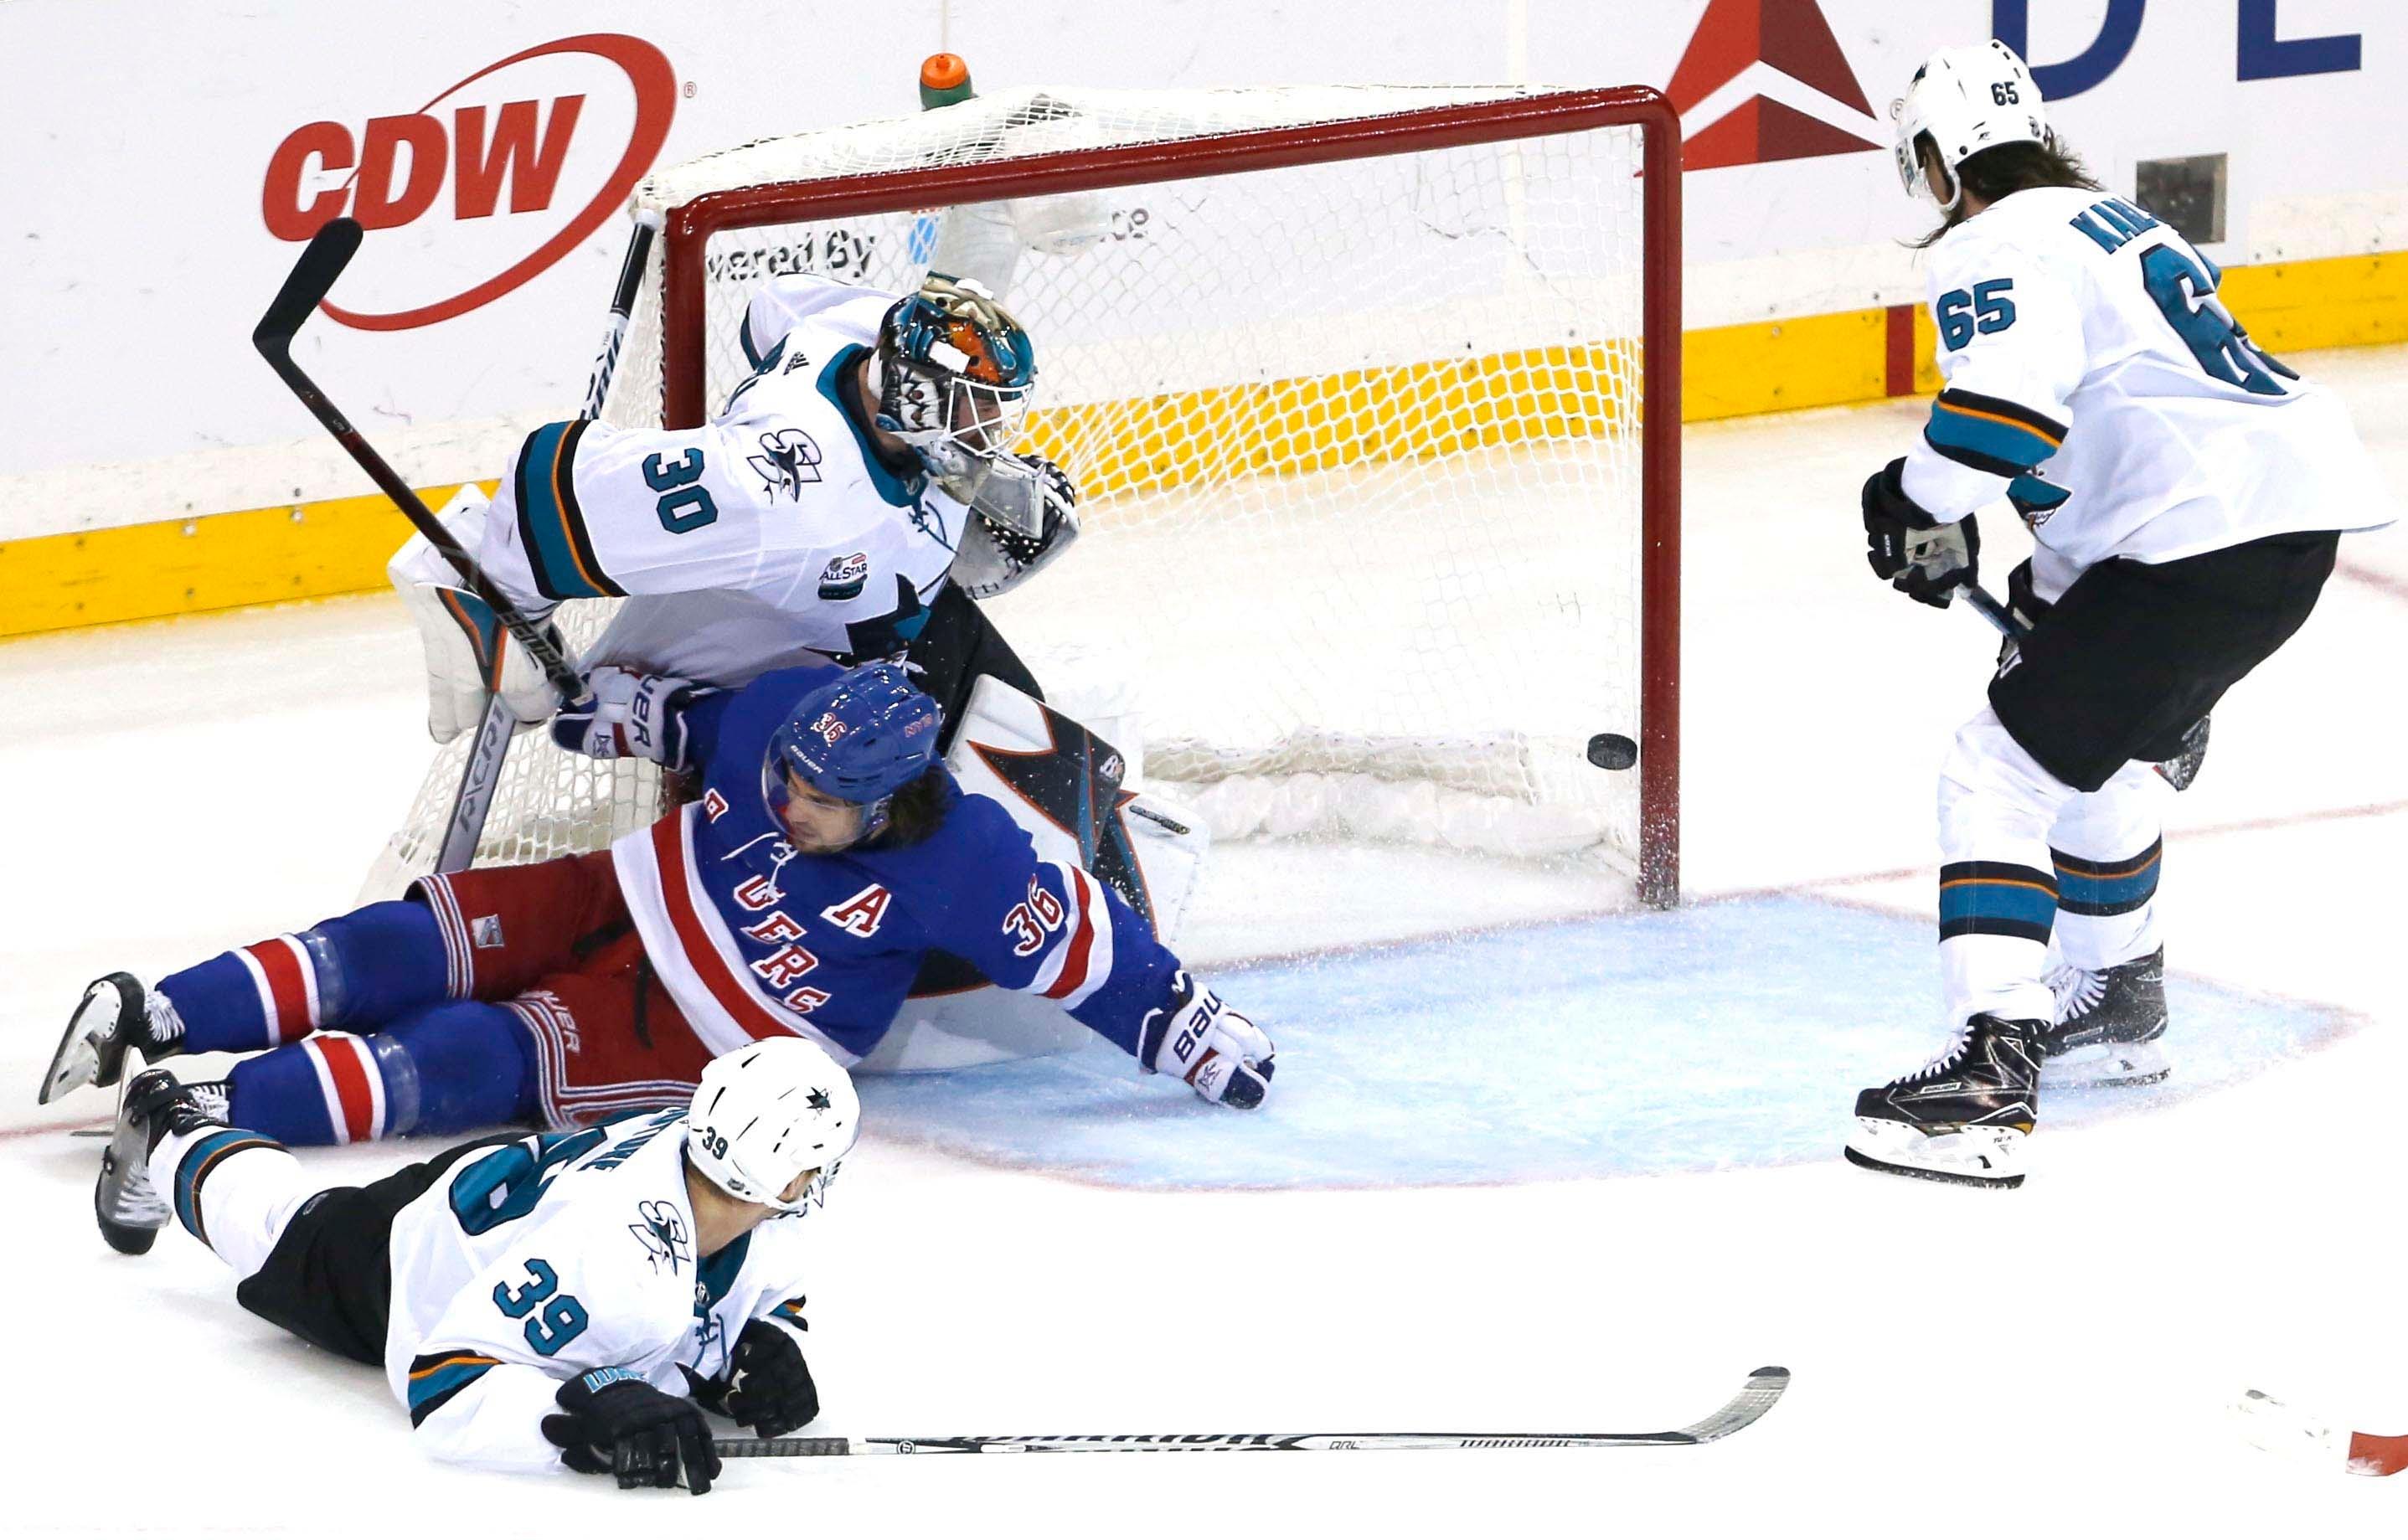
[531,1261]
[2096,381]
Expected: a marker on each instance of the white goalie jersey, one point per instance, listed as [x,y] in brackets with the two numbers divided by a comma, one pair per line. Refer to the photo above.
[2095,379]
[771,536]
[533,1262]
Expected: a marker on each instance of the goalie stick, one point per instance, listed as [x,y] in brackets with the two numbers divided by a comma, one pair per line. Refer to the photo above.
[2279,1429]
[496,729]
[322,260]
[1754,1398]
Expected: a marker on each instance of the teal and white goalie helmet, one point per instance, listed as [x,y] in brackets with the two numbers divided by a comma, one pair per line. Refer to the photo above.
[956,376]
[765,1114]
[1968,99]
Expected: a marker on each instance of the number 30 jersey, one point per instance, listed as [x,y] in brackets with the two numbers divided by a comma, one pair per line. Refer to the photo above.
[533,1261]
[2096,381]
[771,534]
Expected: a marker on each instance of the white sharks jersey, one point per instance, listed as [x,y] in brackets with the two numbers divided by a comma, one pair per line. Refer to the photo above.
[2096,382]
[774,535]
[534,1261]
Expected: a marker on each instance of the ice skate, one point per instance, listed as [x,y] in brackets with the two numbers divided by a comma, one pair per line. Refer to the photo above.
[2108,1023]
[118,1012]
[1963,1117]
[130,1210]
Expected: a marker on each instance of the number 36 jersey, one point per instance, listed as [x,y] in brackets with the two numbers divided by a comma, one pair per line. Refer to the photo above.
[533,1261]
[2095,379]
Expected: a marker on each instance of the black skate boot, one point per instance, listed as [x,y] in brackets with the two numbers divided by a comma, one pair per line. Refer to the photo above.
[130,1211]
[1961,1118]
[2108,1023]
[118,1013]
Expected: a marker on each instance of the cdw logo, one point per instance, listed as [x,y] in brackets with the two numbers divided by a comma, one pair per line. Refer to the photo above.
[495,158]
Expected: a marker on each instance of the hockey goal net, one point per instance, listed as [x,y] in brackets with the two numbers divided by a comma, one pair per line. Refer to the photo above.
[1373,398]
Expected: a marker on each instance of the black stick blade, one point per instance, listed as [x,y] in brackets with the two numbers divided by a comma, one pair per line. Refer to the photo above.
[321,263]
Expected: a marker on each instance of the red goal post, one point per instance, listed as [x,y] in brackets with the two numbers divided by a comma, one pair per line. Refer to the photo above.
[689,226]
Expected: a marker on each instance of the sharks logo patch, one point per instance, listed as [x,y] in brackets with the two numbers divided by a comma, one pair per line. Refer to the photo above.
[788,458]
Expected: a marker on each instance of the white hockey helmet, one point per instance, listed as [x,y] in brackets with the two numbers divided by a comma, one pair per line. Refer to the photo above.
[765,1114]
[1969,100]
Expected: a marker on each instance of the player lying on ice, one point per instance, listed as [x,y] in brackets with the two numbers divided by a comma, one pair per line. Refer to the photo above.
[558,1300]
[828,853]
[850,501]
[2186,494]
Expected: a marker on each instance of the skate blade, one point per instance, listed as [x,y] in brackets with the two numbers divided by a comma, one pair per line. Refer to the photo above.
[1967,1157]
[2106,1065]
[80,1062]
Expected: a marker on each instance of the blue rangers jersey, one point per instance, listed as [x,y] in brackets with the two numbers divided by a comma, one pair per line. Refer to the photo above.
[752,938]
[536,1260]
[773,536]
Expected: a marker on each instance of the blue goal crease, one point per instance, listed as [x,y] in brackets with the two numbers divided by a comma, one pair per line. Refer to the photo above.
[1716,1037]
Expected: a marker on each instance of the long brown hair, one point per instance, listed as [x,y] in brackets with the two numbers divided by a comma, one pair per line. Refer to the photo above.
[1991,173]
[917,808]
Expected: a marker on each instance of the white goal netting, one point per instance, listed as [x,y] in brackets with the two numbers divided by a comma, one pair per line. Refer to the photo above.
[1356,443]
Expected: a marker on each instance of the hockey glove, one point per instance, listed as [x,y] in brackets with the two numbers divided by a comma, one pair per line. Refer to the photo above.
[1223,1055]
[469,652]
[629,715]
[1916,554]
[612,1422]
[1025,516]
[768,1387]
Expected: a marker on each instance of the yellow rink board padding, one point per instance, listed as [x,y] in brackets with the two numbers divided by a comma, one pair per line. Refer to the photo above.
[311,549]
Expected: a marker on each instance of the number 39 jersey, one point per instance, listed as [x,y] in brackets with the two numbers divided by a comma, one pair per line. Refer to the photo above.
[531,1261]
[771,533]
[2096,381]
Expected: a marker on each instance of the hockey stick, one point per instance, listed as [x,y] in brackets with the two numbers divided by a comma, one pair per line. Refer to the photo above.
[1755,1398]
[322,260]
[2284,1429]
[496,729]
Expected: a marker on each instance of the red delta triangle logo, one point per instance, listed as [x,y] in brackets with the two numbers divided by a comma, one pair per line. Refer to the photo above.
[400,167]
[1745,56]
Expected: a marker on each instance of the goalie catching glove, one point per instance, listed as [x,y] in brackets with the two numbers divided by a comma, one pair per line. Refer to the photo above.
[1223,1055]
[1915,553]
[469,652]
[613,1423]
[1024,516]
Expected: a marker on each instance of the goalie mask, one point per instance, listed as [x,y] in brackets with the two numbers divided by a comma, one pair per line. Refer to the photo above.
[764,1115]
[1969,100]
[954,376]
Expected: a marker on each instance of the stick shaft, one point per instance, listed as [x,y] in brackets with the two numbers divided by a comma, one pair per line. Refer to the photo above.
[1991,610]
[1763,1388]
[482,773]
[321,262]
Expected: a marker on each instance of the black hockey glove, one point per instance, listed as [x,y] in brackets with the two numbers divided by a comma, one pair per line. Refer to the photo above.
[1913,552]
[615,1423]
[768,1386]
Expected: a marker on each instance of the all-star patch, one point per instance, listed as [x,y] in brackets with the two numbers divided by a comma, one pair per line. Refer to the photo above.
[843,577]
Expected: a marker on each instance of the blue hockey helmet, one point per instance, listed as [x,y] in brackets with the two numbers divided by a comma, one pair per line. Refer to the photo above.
[860,737]
[955,375]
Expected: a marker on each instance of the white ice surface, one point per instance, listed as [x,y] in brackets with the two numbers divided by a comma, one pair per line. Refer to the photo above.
[2056,1358]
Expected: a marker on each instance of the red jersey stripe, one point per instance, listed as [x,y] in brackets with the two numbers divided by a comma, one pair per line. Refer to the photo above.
[733,992]
[1081,940]
[346,1062]
[280,964]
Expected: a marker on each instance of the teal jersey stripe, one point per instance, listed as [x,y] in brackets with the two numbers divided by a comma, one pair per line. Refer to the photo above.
[2033,495]
[1985,443]
[550,526]
[431,1390]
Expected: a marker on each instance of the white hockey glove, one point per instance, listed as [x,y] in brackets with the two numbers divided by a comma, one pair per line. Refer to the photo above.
[1025,516]
[469,652]
[628,715]
[1223,1055]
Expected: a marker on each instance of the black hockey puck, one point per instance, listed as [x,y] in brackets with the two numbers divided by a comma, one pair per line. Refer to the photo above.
[1613,751]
